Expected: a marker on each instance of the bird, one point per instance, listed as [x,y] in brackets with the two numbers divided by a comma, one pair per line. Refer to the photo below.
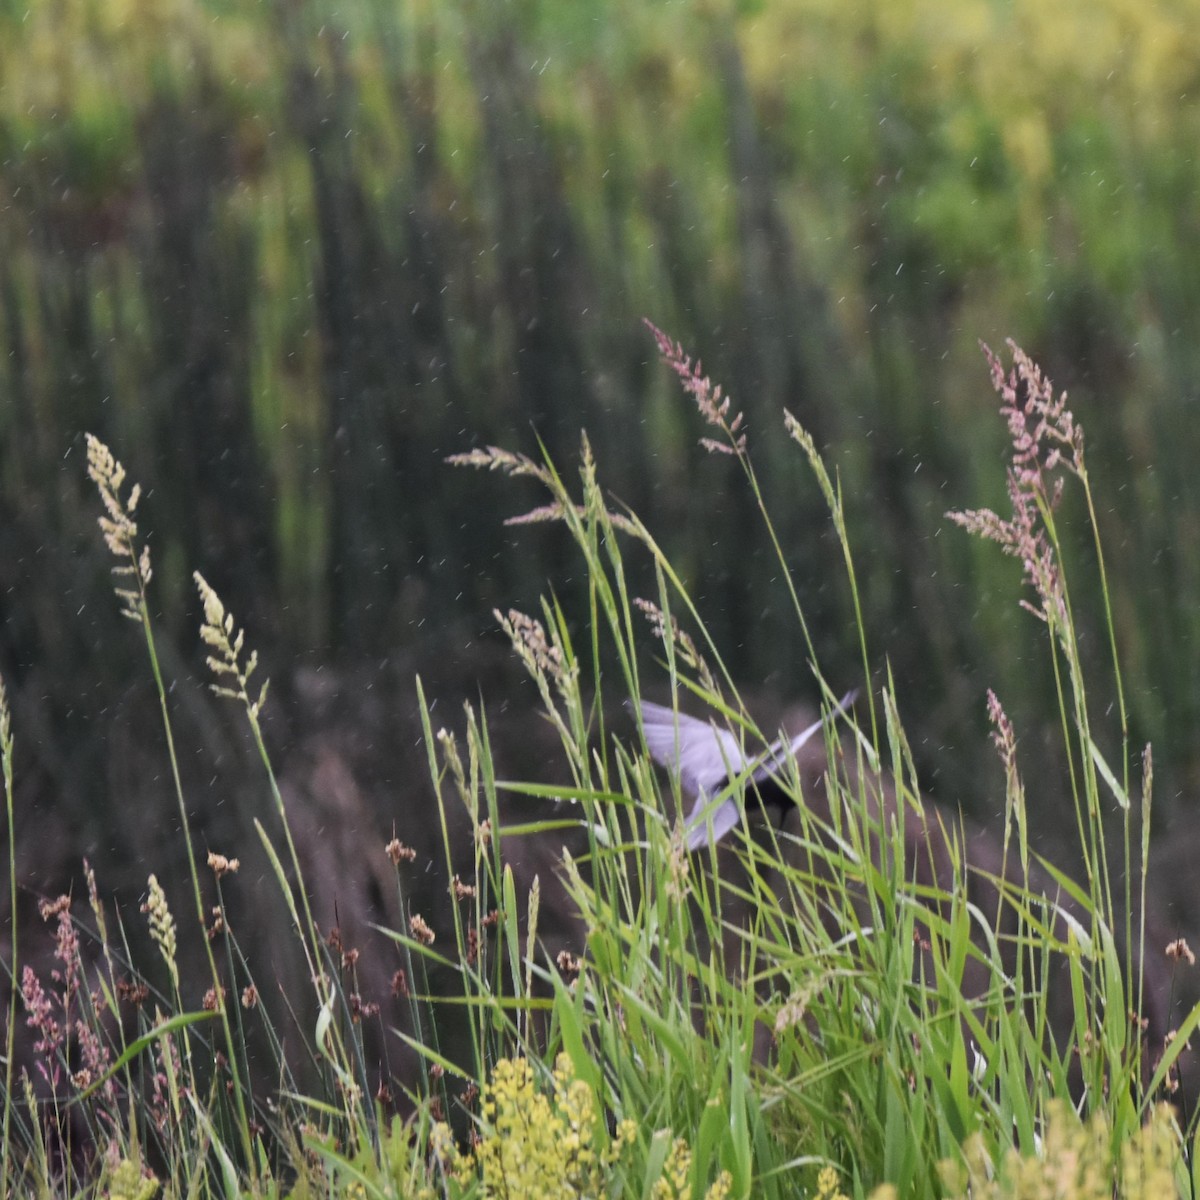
[706,760]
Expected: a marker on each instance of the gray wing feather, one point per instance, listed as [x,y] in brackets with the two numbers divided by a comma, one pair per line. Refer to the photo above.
[701,755]
[723,818]
[776,755]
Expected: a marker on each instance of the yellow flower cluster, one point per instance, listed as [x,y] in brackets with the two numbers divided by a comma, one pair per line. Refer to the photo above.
[673,1184]
[1075,1161]
[127,1182]
[537,1145]
[827,1185]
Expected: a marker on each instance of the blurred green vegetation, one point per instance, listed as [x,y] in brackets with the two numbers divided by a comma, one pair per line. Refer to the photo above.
[286,256]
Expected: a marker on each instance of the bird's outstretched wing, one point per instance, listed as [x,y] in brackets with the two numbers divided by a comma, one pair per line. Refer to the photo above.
[705,758]
[701,755]
[777,754]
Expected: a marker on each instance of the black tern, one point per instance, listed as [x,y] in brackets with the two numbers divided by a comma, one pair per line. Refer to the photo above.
[707,759]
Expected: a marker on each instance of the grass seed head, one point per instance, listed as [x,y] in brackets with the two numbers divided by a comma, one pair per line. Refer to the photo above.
[119,528]
[162,926]
[221,633]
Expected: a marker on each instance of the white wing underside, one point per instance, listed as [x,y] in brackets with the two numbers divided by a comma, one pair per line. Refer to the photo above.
[705,758]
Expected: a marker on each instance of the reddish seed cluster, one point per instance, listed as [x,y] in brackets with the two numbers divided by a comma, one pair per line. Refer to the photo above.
[398,852]
[360,1008]
[221,866]
[54,908]
[131,992]
[1180,951]
[218,923]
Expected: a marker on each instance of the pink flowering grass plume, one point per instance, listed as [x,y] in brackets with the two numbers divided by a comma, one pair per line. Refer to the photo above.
[713,404]
[1046,441]
[1045,436]
[1004,738]
[63,1017]
[41,1017]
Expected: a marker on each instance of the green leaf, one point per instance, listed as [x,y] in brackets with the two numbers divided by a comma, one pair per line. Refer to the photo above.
[228,1170]
[181,1021]
[1119,793]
